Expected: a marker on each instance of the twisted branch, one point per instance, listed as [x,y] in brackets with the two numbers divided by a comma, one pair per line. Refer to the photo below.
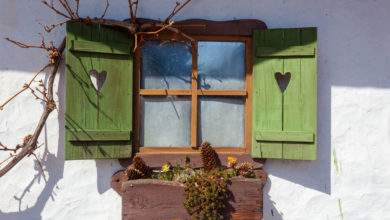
[29,145]
[179,6]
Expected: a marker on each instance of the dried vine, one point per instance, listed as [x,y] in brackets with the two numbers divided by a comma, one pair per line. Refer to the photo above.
[45,93]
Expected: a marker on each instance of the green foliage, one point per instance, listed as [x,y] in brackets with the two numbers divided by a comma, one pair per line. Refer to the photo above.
[207,194]
[175,173]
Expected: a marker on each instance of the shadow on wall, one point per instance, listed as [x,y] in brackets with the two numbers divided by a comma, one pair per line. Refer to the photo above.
[53,165]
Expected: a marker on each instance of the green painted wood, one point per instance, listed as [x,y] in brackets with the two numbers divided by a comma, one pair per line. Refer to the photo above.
[296,108]
[305,50]
[285,136]
[90,111]
[100,47]
[100,135]
[267,102]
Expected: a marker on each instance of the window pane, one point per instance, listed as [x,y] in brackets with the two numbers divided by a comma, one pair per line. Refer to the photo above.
[221,65]
[165,121]
[166,65]
[222,121]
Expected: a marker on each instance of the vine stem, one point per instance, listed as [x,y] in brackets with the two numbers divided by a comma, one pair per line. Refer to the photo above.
[28,147]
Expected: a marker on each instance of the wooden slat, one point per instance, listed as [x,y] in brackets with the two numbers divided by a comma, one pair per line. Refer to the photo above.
[188,92]
[89,110]
[194,96]
[100,136]
[285,136]
[164,92]
[286,51]
[100,47]
[309,94]
[249,97]
[267,98]
[221,93]
[137,98]
[292,98]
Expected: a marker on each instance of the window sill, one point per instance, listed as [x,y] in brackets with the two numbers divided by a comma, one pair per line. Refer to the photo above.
[156,159]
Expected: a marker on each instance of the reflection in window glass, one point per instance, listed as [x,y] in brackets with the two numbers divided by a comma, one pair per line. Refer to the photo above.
[221,121]
[165,121]
[221,65]
[166,65]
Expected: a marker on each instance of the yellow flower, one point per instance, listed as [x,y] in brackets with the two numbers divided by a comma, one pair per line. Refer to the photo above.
[232,161]
[165,168]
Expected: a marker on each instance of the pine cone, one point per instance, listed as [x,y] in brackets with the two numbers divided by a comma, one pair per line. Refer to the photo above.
[141,166]
[210,158]
[133,174]
[246,170]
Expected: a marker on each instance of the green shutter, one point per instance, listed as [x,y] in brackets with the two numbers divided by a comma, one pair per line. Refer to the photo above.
[98,124]
[285,123]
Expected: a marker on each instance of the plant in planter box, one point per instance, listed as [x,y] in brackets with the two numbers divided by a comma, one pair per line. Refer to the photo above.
[206,189]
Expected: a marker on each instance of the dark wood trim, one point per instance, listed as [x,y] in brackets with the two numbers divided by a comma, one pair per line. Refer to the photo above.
[194,96]
[157,159]
[240,27]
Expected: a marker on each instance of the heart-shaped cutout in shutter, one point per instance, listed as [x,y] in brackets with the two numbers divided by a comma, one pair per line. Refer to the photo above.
[98,79]
[283,80]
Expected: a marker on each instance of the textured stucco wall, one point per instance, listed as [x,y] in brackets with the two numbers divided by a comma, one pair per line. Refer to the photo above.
[350,179]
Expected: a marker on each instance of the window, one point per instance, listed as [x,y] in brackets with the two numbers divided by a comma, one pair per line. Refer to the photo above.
[170,96]
[191,93]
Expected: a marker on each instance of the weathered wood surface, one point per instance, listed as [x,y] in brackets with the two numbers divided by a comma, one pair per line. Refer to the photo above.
[294,110]
[155,160]
[156,199]
[96,114]
[240,27]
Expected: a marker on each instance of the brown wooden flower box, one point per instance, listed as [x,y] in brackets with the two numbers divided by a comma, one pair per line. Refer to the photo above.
[156,199]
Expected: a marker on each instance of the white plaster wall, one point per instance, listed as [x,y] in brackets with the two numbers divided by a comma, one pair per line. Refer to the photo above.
[350,179]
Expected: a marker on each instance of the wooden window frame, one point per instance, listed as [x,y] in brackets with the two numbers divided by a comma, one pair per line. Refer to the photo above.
[233,31]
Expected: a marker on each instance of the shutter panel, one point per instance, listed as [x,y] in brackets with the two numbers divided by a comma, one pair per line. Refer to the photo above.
[285,123]
[98,124]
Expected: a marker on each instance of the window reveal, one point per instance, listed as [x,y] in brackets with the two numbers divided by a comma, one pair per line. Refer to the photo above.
[169,95]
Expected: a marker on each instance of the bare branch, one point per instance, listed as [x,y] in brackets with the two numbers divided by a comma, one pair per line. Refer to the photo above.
[165,26]
[24,88]
[133,8]
[105,10]
[49,28]
[24,45]
[51,6]
[30,145]
[136,8]
[77,7]
[176,10]
[6,159]
[6,148]
[68,9]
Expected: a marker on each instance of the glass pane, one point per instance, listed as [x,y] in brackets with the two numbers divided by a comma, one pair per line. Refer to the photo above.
[221,65]
[222,121]
[165,121]
[166,65]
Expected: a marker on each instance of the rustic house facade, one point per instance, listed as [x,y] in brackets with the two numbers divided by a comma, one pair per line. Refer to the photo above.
[342,173]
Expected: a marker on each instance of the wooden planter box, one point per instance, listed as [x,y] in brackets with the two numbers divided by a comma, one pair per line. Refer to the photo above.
[156,199]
